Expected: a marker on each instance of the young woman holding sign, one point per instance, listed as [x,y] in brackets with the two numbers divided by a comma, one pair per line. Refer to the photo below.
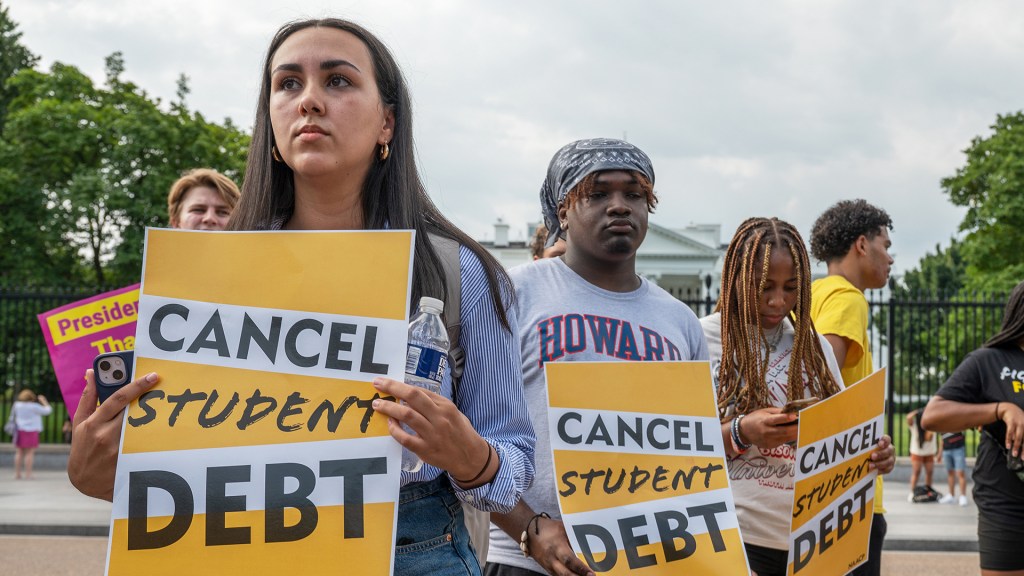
[765,353]
[332,149]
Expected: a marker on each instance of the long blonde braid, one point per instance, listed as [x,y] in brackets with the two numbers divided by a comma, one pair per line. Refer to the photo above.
[745,352]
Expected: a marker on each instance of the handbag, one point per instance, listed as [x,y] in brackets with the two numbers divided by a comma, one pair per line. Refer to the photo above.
[10,427]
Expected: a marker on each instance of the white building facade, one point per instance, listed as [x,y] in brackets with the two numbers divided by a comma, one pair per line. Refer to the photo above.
[684,261]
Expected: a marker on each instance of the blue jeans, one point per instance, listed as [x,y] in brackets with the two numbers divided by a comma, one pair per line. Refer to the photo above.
[432,537]
[955,458]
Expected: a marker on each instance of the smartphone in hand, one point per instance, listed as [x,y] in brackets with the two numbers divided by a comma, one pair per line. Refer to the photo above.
[796,406]
[112,370]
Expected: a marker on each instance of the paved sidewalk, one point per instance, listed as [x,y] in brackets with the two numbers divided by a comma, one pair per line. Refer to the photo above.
[928,527]
[47,528]
[50,505]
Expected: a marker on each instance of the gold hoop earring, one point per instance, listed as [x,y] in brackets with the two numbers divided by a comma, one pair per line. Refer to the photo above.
[384,151]
[275,153]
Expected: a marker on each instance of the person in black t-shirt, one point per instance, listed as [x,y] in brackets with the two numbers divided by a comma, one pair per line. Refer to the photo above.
[987,390]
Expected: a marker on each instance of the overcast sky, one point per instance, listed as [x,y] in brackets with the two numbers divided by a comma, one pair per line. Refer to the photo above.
[746,108]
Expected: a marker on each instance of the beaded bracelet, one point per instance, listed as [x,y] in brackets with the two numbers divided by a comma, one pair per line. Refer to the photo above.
[737,442]
[525,537]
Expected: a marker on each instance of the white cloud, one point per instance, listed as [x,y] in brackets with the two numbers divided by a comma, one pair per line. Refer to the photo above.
[746,107]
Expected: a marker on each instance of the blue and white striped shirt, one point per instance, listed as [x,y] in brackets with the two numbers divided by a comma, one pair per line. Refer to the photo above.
[490,394]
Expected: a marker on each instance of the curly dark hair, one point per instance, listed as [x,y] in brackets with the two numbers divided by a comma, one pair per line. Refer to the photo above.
[839,227]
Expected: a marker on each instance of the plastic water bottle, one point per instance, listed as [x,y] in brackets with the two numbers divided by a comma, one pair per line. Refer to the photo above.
[426,360]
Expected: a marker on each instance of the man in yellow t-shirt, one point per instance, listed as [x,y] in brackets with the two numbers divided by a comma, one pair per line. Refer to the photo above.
[852,239]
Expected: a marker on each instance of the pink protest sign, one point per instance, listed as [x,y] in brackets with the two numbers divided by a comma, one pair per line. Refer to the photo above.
[75,333]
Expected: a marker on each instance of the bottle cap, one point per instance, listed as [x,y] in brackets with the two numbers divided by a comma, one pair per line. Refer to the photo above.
[426,302]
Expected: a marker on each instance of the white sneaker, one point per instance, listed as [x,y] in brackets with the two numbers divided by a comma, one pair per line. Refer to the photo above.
[963,500]
[948,499]
[910,497]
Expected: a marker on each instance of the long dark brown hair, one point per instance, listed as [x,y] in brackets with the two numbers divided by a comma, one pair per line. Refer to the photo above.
[393,195]
[741,375]
[1012,332]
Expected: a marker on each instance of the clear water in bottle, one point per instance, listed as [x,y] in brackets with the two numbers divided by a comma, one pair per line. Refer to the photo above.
[426,360]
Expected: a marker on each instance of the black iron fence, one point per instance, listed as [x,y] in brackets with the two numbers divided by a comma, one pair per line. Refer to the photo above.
[24,359]
[921,338]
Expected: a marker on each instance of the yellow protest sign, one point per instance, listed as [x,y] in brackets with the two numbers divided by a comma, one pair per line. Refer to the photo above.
[258,451]
[834,490]
[640,468]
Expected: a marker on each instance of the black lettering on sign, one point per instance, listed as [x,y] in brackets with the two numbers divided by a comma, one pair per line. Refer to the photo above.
[218,504]
[182,400]
[291,347]
[619,432]
[821,538]
[291,407]
[336,345]
[583,534]
[252,415]
[277,500]
[848,444]
[139,484]
[158,319]
[291,417]
[212,336]
[353,471]
[367,365]
[631,542]
[268,343]
[563,422]
[150,412]
[680,481]
[672,528]
[207,421]
[669,535]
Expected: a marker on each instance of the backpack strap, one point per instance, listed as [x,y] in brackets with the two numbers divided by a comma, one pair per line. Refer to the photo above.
[448,251]
[477,521]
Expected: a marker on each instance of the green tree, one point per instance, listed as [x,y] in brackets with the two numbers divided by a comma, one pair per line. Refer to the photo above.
[13,57]
[84,168]
[922,303]
[991,186]
[943,273]
[90,167]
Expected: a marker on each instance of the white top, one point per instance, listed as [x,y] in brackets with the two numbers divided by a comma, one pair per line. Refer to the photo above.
[762,479]
[28,416]
[930,446]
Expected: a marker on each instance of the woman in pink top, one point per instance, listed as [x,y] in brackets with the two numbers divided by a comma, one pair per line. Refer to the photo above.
[28,412]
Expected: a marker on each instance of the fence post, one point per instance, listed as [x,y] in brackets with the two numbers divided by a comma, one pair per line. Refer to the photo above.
[707,295]
[890,360]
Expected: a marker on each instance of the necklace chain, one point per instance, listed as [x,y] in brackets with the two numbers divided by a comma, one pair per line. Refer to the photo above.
[774,339]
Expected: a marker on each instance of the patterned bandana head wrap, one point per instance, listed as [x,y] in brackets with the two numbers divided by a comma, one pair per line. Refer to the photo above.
[574,162]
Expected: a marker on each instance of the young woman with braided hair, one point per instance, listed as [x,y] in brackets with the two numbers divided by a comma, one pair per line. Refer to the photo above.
[764,353]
